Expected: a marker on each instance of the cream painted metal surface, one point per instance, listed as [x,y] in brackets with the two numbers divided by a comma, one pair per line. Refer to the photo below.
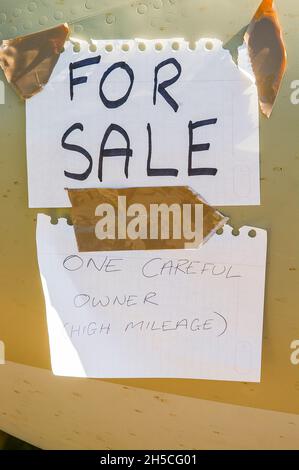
[63,413]
[22,320]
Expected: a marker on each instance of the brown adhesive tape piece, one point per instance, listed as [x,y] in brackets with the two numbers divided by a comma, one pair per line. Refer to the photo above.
[85,201]
[267,54]
[28,61]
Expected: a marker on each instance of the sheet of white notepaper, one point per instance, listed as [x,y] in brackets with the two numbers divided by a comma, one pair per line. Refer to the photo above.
[210,90]
[194,313]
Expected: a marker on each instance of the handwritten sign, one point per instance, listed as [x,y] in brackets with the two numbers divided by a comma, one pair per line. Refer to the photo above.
[194,313]
[130,118]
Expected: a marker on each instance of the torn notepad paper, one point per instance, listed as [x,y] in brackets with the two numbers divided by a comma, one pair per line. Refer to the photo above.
[194,313]
[131,118]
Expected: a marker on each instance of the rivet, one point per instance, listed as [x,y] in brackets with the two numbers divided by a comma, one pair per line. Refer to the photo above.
[58,15]
[89,4]
[43,20]
[110,19]
[141,9]
[32,6]
[27,25]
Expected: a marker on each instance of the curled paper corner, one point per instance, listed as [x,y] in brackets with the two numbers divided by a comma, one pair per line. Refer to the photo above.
[263,54]
[28,61]
[122,208]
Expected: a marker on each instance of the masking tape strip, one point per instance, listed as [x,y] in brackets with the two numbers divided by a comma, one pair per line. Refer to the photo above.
[267,54]
[28,61]
[126,219]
